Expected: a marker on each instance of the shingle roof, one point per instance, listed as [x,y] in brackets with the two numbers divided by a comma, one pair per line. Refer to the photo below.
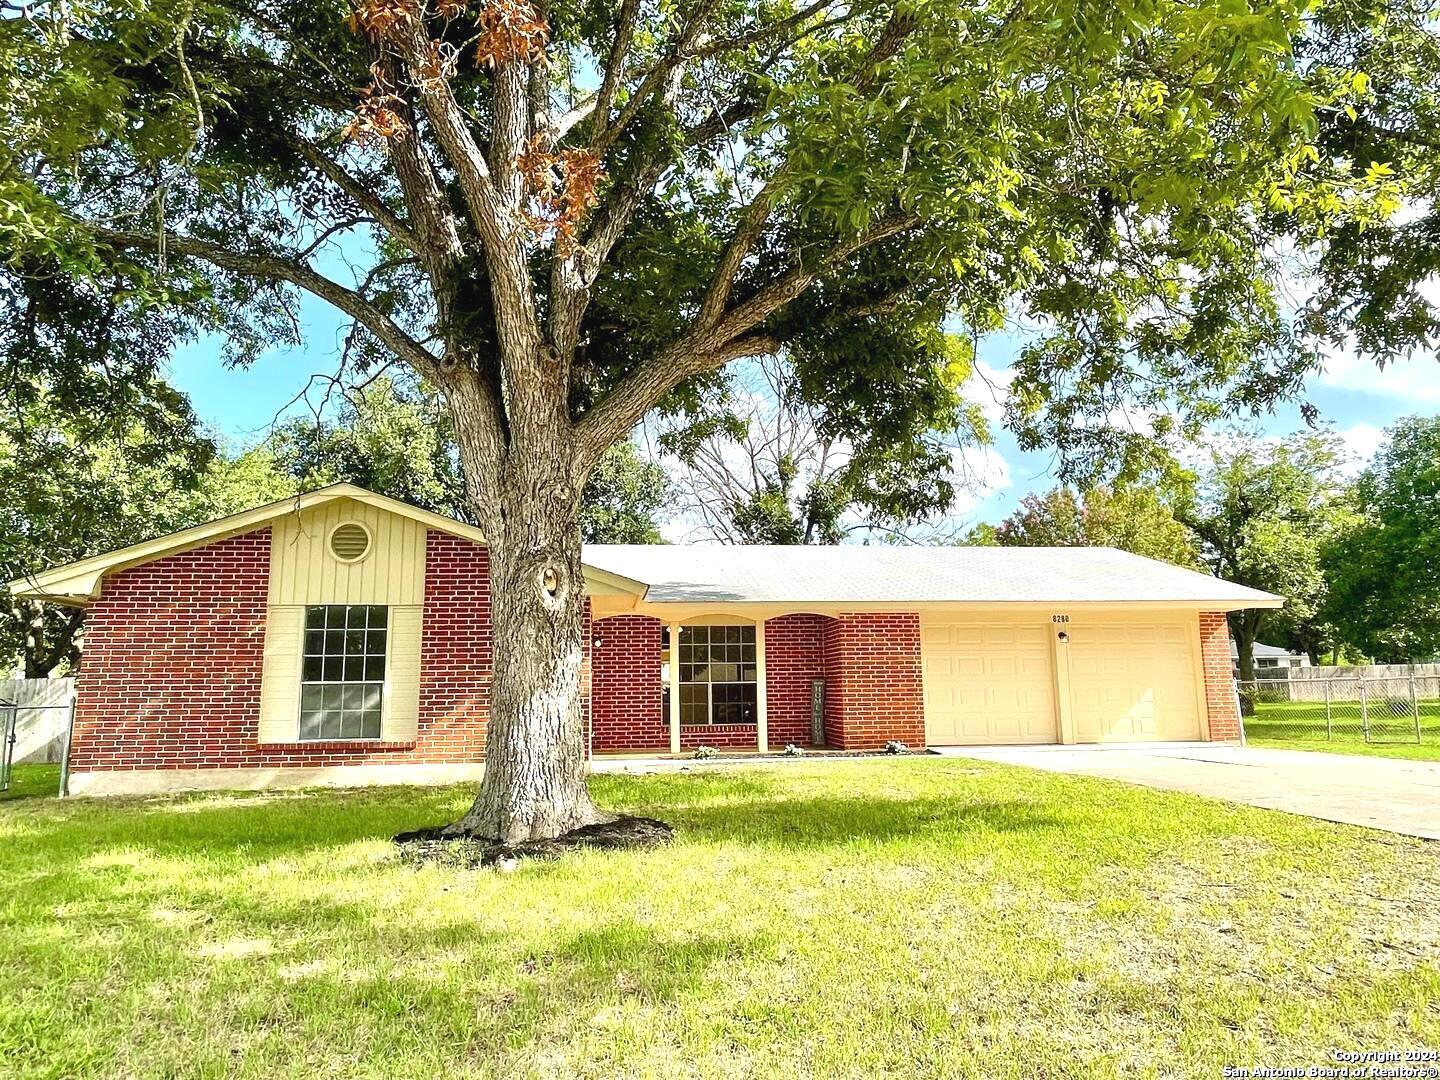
[863,574]
[1261,649]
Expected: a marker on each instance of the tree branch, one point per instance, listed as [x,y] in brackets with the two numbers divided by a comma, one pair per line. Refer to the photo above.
[570,118]
[510,103]
[638,392]
[752,224]
[272,268]
[496,221]
[706,346]
[663,78]
[615,66]
[760,33]
[788,286]
[366,199]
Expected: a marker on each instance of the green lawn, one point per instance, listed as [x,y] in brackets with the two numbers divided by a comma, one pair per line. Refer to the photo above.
[1300,725]
[31,781]
[900,918]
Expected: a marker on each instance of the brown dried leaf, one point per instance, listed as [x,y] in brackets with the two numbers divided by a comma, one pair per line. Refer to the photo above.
[563,187]
[376,119]
[511,31]
[381,19]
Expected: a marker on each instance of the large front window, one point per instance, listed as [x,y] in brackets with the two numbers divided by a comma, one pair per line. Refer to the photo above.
[343,679]
[717,675]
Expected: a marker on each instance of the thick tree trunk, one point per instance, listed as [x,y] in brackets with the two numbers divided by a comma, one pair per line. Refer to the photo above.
[535,767]
[1244,630]
[49,640]
[1244,627]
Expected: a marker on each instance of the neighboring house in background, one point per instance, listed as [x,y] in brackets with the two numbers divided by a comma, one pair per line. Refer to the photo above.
[342,636]
[1269,659]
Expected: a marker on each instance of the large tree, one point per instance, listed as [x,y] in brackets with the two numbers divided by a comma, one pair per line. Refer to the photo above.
[765,465]
[75,486]
[561,213]
[1137,519]
[1384,570]
[1262,512]
[398,439]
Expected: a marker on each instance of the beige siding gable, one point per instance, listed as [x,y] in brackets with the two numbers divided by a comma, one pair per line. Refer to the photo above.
[304,571]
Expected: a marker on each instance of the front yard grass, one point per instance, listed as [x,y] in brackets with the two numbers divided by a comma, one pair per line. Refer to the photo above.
[902,918]
[1301,725]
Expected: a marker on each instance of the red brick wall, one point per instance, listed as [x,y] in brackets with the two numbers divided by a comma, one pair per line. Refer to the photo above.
[1219,677]
[794,657]
[873,689]
[722,737]
[455,650]
[626,695]
[170,675]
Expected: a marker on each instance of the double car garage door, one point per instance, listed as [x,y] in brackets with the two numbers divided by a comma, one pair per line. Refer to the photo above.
[1121,681]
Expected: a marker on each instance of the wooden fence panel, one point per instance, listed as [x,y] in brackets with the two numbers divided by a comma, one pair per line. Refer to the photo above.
[1381,681]
[40,733]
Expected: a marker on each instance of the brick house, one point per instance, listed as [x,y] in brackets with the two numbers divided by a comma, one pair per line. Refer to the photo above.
[342,636]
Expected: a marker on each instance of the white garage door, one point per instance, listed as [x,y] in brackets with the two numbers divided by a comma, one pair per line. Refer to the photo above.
[987,683]
[1133,681]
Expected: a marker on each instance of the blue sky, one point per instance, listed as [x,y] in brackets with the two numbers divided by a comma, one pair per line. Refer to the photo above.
[1359,400]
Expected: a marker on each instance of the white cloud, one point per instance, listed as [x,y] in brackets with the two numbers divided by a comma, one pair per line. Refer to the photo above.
[988,387]
[978,472]
[1416,380]
[1361,441]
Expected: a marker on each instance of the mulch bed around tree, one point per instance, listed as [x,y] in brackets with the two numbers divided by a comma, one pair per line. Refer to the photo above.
[431,846]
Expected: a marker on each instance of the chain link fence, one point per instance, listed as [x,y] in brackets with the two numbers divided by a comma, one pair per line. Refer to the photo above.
[1394,708]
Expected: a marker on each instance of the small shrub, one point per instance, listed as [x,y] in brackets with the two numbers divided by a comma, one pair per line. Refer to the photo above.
[703,752]
[895,746]
[791,750]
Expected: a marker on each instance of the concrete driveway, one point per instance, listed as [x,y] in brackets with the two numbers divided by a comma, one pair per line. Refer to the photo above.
[1380,793]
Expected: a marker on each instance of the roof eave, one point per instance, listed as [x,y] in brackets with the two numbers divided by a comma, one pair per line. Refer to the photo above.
[77,583]
[871,604]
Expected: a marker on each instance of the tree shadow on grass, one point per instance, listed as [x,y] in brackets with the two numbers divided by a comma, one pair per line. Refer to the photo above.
[518,994]
[751,807]
[213,831]
[820,822]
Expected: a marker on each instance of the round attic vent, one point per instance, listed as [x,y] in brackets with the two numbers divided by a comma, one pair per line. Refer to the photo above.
[350,542]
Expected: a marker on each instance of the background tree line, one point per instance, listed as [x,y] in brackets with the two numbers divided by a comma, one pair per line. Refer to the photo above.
[1357,558]
[71,487]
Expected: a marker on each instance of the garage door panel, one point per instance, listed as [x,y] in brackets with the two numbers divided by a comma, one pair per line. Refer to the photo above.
[1133,681]
[988,682]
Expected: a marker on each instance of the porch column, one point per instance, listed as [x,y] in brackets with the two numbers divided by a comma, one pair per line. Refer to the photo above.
[762,725]
[674,688]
